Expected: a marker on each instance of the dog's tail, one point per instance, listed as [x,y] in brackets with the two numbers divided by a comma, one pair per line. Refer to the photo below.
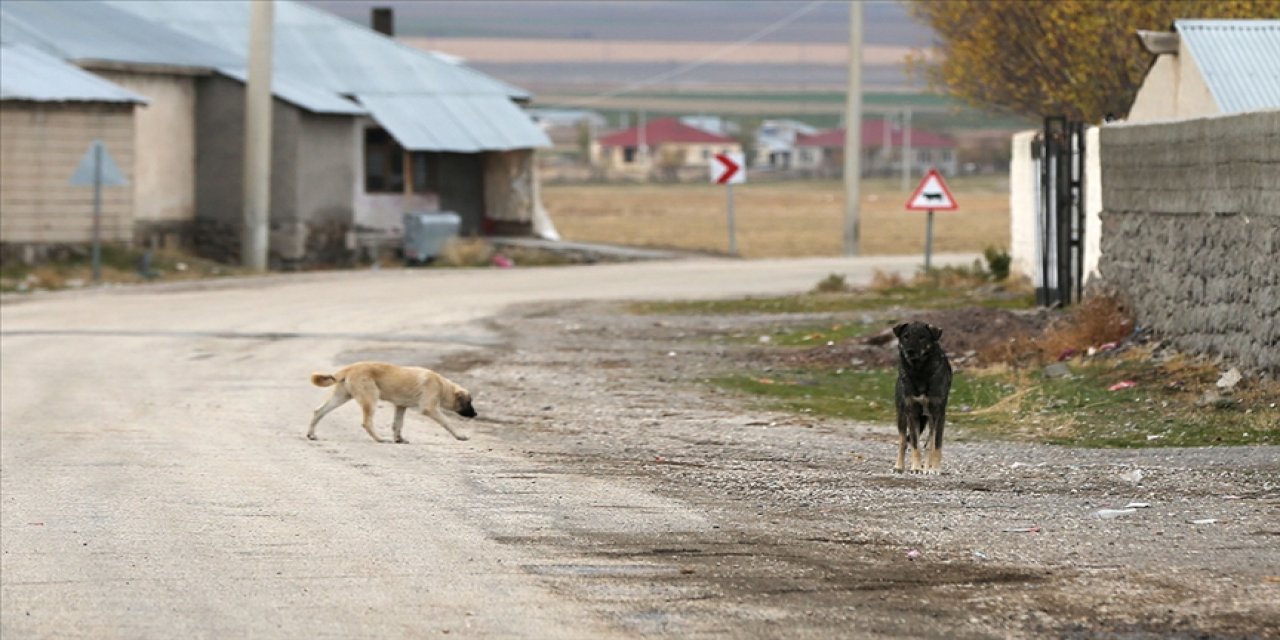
[323,379]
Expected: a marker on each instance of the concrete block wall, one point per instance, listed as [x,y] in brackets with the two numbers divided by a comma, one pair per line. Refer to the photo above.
[1191,231]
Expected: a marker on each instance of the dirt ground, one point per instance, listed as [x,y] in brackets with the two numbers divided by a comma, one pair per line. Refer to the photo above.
[813,537]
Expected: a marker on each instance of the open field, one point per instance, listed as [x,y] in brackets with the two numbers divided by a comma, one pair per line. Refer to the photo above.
[782,219]
[577,50]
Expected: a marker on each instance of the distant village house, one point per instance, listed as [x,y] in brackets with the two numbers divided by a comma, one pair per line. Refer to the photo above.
[883,145]
[664,149]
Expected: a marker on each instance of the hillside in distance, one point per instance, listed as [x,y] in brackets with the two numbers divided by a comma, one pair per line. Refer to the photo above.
[557,47]
[645,20]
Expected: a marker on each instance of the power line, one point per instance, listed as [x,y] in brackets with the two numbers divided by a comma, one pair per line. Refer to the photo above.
[690,66]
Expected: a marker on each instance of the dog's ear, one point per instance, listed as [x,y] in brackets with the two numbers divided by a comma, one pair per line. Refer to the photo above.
[935,332]
[897,331]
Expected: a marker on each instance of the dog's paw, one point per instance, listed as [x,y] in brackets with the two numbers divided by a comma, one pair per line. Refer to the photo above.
[401,441]
[932,471]
[462,436]
[311,436]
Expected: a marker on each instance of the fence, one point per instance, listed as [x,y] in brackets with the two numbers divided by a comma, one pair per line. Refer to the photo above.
[1191,231]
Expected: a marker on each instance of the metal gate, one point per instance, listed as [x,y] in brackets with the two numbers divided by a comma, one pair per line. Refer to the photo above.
[1059,156]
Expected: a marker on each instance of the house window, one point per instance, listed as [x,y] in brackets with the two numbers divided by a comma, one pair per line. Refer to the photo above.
[383,163]
[706,154]
[946,155]
[384,170]
[628,154]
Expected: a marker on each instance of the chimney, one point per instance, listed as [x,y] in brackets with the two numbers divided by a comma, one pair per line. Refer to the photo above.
[384,21]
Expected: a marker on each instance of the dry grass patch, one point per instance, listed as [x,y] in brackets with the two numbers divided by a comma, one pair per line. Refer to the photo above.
[782,219]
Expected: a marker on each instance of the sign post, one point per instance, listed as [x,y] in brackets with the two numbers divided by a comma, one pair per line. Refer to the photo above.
[97,168]
[728,169]
[932,194]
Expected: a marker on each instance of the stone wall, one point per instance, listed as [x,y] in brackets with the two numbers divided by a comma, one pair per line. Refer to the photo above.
[1191,231]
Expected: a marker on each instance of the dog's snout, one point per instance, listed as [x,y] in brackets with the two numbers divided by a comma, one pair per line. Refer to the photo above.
[467,411]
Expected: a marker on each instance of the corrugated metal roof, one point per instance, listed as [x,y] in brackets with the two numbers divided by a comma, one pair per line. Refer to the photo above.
[1240,60]
[318,58]
[27,73]
[459,123]
[326,50]
[427,102]
[304,95]
[86,31]
[95,31]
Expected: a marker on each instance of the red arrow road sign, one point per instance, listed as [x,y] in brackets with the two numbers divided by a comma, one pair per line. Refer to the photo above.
[727,169]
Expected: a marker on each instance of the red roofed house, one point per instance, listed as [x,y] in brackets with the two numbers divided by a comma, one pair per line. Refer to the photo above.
[823,152]
[666,149]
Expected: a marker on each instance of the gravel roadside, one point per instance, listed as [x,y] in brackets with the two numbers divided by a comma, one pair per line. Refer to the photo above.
[814,537]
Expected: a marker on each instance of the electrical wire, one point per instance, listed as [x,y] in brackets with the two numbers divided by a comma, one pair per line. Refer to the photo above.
[690,66]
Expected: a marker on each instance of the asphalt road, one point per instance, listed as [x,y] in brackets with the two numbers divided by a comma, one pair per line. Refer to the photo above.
[154,481]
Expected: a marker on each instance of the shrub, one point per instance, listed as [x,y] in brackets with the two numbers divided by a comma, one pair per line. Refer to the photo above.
[997,263]
[833,283]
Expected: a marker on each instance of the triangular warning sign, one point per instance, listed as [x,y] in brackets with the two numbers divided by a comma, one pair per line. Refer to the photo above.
[932,195]
[110,171]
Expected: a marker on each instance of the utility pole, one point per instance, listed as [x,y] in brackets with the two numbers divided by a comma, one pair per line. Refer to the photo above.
[642,149]
[906,149]
[257,138]
[853,133]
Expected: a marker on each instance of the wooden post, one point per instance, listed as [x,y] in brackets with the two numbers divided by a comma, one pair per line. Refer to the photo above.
[408,177]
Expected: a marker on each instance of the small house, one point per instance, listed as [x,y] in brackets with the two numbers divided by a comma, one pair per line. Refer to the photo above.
[883,146]
[776,143]
[50,113]
[1208,68]
[364,128]
[666,149]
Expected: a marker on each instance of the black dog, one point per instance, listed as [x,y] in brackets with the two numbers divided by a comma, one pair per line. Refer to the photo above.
[924,380]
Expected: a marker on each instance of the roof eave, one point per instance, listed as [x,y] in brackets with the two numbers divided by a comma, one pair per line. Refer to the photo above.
[125,102]
[141,67]
[1159,42]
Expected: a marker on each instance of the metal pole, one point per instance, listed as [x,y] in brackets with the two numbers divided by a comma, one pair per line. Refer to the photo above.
[928,241]
[257,138]
[906,148]
[733,236]
[96,259]
[853,134]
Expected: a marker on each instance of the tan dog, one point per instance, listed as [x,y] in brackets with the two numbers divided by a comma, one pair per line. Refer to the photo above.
[403,387]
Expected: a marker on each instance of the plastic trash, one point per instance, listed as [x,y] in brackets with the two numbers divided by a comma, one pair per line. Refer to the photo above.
[1023,530]
[1230,379]
[1205,521]
[912,554]
[1137,505]
[1134,476]
[1123,384]
[1112,514]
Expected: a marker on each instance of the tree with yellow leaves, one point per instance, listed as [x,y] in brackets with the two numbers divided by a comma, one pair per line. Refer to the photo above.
[1074,58]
